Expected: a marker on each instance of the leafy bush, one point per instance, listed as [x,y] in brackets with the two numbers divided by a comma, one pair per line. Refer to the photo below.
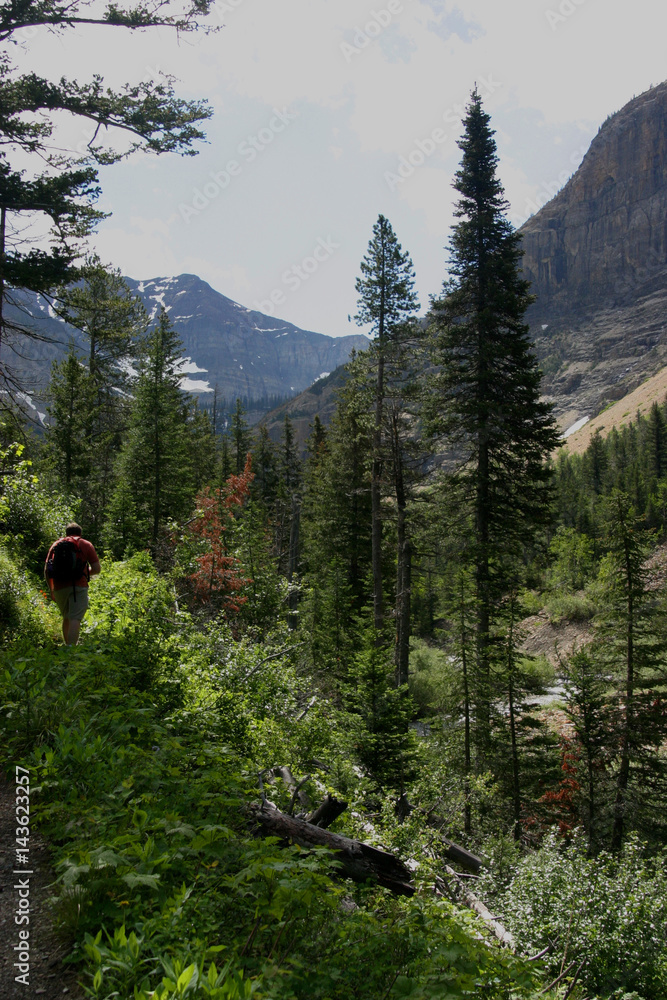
[434,680]
[22,612]
[574,560]
[536,672]
[579,606]
[608,912]
[146,818]
[31,517]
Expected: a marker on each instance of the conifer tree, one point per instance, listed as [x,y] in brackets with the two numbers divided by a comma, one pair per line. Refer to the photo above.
[264,464]
[44,177]
[486,390]
[586,687]
[630,644]
[67,443]
[111,317]
[113,322]
[156,459]
[241,438]
[336,540]
[386,299]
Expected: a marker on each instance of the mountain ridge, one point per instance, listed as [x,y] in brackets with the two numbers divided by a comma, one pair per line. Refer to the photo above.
[596,257]
[241,351]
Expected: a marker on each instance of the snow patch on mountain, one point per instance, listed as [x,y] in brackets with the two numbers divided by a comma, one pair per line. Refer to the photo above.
[187,366]
[577,425]
[194,385]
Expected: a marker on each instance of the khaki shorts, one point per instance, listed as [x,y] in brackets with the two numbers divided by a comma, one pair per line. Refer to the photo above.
[72,602]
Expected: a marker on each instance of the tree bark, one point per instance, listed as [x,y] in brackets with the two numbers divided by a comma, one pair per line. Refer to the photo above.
[3,228]
[516,782]
[358,861]
[293,559]
[467,810]
[376,498]
[403,564]
[624,768]
[328,810]
[478,907]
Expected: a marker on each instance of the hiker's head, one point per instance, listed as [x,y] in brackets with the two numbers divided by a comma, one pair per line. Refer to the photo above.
[73,529]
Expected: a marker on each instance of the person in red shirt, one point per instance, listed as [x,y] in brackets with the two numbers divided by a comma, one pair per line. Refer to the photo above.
[72,600]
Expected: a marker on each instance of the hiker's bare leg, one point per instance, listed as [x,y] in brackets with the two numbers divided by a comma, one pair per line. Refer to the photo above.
[73,632]
[66,630]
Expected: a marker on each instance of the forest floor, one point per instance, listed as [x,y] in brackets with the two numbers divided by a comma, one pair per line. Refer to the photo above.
[48,977]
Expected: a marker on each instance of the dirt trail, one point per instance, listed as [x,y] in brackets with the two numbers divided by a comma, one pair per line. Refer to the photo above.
[48,978]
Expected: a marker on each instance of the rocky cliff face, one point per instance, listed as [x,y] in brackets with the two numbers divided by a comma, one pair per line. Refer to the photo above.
[596,256]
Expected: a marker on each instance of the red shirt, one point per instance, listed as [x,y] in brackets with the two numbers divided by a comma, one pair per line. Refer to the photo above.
[87,553]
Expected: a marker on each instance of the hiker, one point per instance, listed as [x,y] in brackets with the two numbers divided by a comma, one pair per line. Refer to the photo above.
[69,566]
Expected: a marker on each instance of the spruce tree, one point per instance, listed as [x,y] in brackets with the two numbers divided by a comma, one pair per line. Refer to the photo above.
[68,451]
[486,389]
[113,322]
[156,459]
[241,438]
[112,319]
[336,543]
[630,645]
[386,299]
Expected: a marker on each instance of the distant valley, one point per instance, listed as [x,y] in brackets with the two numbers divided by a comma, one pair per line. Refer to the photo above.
[596,257]
[242,352]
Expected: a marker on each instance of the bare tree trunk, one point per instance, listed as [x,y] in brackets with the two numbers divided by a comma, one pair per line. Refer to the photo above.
[358,861]
[467,812]
[3,230]
[376,498]
[293,558]
[403,563]
[483,593]
[516,787]
[624,769]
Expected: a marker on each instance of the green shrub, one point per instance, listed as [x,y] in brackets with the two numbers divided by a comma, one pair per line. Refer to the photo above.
[610,911]
[570,607]
[23,613]
[433,679]
[537,673]
[31,517]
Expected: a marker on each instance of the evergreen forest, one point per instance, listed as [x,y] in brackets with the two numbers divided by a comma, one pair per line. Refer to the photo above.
[303,748]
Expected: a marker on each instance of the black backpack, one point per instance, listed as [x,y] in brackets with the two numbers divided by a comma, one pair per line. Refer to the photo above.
[65,564]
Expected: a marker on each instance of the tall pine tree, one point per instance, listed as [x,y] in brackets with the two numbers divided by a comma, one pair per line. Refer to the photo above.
[156,479]
[386,299]
[486,390]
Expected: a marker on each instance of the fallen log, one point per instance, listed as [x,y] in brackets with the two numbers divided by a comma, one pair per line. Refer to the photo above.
[295,788]
[463,895]
[403,808]
[329,809]
[358,861]
[459,854]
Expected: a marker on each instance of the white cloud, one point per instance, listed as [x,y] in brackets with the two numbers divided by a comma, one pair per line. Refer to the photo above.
[552,87]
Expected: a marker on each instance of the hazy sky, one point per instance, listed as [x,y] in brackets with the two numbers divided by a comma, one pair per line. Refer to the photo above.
[329,112]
